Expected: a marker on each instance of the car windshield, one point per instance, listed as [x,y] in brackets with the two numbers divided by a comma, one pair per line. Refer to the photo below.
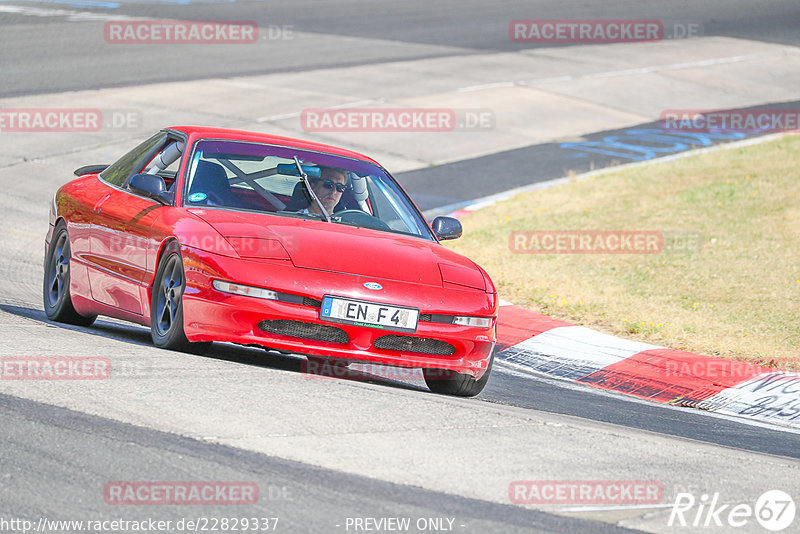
[245,176]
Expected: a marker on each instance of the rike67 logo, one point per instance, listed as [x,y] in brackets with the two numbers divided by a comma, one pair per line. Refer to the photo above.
[774,510]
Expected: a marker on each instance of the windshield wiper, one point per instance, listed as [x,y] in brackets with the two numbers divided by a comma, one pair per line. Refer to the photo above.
[304,176]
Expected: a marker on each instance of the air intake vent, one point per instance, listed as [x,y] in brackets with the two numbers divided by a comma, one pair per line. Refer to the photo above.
[436,318]
[422,345]
[304,330]
[308,301]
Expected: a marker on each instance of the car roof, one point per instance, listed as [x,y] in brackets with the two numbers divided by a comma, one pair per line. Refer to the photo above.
[200,132]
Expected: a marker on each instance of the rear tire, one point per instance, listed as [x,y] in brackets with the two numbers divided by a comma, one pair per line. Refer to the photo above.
[166,305]
[55,288]
[446,382]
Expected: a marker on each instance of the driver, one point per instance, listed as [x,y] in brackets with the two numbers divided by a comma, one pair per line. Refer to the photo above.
[329,187]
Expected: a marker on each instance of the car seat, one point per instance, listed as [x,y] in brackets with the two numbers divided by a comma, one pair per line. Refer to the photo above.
[211,179]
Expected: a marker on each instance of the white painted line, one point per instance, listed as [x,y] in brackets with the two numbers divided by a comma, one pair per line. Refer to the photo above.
[485,86]
[340,106]
[359,103]
[554,79]
[672,66]
[546,184]
[279,117]
[613,508]
[71,16]
[496,197]
[614,73]
[525,372]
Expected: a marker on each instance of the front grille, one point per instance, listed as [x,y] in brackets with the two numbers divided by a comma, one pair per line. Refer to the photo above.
[304,330]
[308,301]
[422,345]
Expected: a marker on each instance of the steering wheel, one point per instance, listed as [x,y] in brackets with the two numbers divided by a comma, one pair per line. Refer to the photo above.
[360,218]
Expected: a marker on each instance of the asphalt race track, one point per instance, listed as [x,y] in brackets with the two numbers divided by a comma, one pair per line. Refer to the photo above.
[90,447]
[425,30]
[325,452]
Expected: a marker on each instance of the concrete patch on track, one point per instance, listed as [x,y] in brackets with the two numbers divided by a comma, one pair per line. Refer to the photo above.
[534,97]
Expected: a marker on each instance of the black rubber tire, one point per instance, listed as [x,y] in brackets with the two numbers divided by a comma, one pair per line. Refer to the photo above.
[166,305]
[447,382]
[55,285]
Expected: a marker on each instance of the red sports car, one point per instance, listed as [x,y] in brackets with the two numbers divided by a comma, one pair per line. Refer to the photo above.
[209,235]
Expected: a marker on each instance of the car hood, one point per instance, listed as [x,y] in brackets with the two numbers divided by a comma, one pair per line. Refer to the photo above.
[314,244]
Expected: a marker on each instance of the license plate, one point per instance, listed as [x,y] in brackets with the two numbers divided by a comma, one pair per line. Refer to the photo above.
[370,314]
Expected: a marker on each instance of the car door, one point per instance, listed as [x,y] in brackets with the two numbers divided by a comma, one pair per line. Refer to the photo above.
[121,237]
[121,240]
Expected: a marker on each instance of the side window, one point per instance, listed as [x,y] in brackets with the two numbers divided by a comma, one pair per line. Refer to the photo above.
[119,171]
[172,169]
[166,162]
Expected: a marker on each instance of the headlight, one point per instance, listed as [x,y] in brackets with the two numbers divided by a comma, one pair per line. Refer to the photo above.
[248,291]
[465,320]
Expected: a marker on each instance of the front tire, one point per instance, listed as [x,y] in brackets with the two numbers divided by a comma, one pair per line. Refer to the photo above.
[166,305]
[55,288]
[446,382]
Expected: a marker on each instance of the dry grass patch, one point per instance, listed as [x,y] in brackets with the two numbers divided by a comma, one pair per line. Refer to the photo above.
[735,295]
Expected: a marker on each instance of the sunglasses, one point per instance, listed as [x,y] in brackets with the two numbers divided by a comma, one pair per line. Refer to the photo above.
[330,184]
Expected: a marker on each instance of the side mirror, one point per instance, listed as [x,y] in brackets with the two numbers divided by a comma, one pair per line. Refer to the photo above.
[151,186]
[446,228]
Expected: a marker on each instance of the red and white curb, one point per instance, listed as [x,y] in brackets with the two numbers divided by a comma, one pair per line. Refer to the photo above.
[562,350]
[558,349]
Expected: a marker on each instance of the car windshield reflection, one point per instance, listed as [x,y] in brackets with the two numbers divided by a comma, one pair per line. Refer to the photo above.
[290,182]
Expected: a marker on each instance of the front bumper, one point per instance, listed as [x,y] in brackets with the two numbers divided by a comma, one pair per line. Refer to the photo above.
[211,315]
